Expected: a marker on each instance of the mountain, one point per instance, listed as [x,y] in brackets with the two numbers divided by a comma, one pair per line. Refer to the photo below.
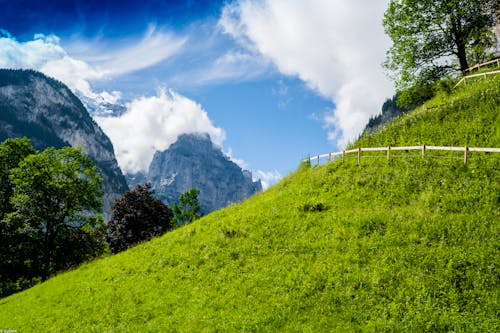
[47,112]
[194,161]
[406,245]
[98,107]
[390,110]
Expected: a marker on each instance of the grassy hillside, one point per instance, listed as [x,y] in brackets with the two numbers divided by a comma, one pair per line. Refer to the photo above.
[404,245]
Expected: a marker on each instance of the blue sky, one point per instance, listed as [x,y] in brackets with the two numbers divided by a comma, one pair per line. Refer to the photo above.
[271,81]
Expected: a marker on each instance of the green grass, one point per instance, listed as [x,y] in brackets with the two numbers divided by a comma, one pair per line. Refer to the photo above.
[409,245]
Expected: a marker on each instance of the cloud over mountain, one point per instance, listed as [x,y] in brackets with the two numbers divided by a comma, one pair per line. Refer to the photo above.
[152,124]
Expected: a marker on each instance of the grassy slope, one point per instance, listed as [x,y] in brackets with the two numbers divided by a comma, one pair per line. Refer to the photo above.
[409,245]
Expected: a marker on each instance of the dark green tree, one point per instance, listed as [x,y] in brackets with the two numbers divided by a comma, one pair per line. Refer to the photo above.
[13,271]
[432,38]
[188,208]
[12,152]
[56,208]
[137,216]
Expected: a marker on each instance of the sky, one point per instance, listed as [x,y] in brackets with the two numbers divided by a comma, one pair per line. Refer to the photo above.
[271,81]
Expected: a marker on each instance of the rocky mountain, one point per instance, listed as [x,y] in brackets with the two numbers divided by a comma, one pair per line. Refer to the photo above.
[98,107]
[47,112]
[194,161]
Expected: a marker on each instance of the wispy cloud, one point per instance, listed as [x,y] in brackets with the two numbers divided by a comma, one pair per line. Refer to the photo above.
[335,46]
[233,66]
[119,57]
[152,124]
[218,60]
[46,54]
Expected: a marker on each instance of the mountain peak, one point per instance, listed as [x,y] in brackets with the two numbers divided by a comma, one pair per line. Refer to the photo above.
[194,161]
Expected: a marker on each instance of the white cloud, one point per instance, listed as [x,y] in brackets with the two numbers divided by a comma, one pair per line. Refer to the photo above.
[45,53]
[335,46]
[152,124]
[30,54]
[268,178]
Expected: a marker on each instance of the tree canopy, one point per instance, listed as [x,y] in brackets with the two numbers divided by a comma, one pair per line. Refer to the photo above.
[432,38]
[137,216]
[52,220]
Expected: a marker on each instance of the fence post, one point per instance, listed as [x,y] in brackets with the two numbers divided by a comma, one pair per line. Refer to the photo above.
[318,160]
[465,155]
[388,152]
[359,156]
[423,151]
[343,154]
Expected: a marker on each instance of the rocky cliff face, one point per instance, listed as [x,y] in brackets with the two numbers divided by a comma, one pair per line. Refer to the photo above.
[193,161]
[48,113]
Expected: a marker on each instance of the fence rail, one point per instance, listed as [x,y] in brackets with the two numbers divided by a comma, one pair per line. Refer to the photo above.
[484,64]
[423,149]
[464,79]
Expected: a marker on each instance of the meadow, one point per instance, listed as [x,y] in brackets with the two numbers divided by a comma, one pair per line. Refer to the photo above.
[405,245]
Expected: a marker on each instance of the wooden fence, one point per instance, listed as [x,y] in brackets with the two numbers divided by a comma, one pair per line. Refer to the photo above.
[484,64]
[423,149]
[464,79]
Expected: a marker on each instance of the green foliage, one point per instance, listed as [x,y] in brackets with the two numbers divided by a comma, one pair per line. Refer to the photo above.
[12,151]
[188,208]
[409,245]
[416,95]
[137,216]
[432,38]
[53,222]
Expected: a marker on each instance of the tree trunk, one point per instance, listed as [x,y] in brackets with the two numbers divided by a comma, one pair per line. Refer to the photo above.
[462,55]
[459,39]
[46,257]
[48,247]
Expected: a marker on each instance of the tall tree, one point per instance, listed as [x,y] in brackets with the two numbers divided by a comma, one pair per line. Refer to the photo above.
[12,254]
[188,208]
[137,216]
[56,197]
[434,37]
